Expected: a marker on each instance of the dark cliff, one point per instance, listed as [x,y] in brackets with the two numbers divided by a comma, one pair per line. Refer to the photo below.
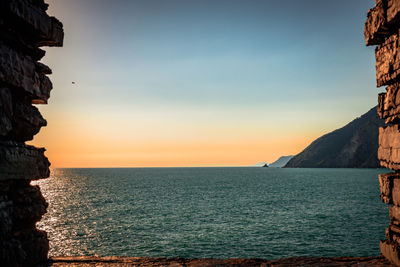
[352,146]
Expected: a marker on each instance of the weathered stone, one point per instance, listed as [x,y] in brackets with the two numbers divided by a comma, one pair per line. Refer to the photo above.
[17,70]
[35,245]
[31,19]
[389,147]
[29,206]
[376,28]
[383,28]
[17,41]
[24,27]
[388,61]
[26,122]
[389,184]
[41,68]
[26,248]
[386,186]
[21,206]
[393,12]
[5,111]
[20,121]
[393,234]
[382,21]
[40,3]
[389,104]
[390,251]
[20,161]
[394,214]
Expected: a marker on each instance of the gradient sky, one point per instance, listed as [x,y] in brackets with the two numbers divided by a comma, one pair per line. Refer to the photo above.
[202,83]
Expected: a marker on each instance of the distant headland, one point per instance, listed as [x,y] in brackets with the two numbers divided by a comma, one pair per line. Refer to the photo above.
[352,146]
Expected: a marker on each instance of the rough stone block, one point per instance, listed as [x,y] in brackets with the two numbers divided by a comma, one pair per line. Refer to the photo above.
[393,234]
[394,214]
[20,161]
[35,245]
[386,186]
[389,184]
[389,147]
[5,111]
[393,12]
[39,3]
[376,29]
[22,72]
[388,61]
[390,251]
[21,206]
[382,21]
[31,19]
[29,248]
[396,192]
[17,41]
[41,68]
[26,121]
[29,206]
[24,27]
[389,104]
[19,120]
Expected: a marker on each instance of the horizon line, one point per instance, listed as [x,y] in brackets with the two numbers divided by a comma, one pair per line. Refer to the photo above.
[141,167]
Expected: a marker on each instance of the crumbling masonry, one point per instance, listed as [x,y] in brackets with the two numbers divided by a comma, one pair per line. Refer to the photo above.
[383,29]
[24,27]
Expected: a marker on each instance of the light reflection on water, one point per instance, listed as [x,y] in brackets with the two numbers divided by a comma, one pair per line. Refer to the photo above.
[214,212]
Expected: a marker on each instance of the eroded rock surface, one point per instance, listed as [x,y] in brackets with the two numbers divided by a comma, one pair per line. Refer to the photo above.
[20,161]
[20,71]
[376,26]
[21,206]
[387,61]
[20,121]
[24,28]
[389,104]
[382,28]
[389,146]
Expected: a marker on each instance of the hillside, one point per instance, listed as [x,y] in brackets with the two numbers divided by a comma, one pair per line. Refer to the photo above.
[281,162]
[352,146]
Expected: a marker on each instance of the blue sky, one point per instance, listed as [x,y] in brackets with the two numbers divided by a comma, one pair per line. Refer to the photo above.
[189,69]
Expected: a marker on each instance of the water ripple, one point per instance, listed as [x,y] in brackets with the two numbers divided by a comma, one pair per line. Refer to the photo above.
[214,212]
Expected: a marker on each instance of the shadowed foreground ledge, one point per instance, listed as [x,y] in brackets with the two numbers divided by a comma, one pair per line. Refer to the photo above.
[143,261]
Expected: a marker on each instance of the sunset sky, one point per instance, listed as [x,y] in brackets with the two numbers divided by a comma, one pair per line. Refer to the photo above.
[202,83]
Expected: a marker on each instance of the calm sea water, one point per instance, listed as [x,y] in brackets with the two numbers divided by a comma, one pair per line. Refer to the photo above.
[214,212]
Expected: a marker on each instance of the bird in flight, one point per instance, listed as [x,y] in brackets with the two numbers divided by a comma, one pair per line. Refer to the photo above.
[73,82]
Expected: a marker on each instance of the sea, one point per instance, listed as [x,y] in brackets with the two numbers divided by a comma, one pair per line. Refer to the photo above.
[244,212]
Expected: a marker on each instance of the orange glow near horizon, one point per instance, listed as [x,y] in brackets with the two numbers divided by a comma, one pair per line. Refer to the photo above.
[164,154]
[149,84]
[88,142]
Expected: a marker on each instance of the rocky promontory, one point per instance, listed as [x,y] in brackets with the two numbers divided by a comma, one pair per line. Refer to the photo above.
[353,146]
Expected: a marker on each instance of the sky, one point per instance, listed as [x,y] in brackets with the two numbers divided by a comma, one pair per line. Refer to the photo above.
[162,83]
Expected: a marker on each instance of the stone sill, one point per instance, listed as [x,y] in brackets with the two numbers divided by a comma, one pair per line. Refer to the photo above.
[143,261]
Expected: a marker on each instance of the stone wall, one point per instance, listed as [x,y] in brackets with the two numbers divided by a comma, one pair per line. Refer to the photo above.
[383,29]
[24,28]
